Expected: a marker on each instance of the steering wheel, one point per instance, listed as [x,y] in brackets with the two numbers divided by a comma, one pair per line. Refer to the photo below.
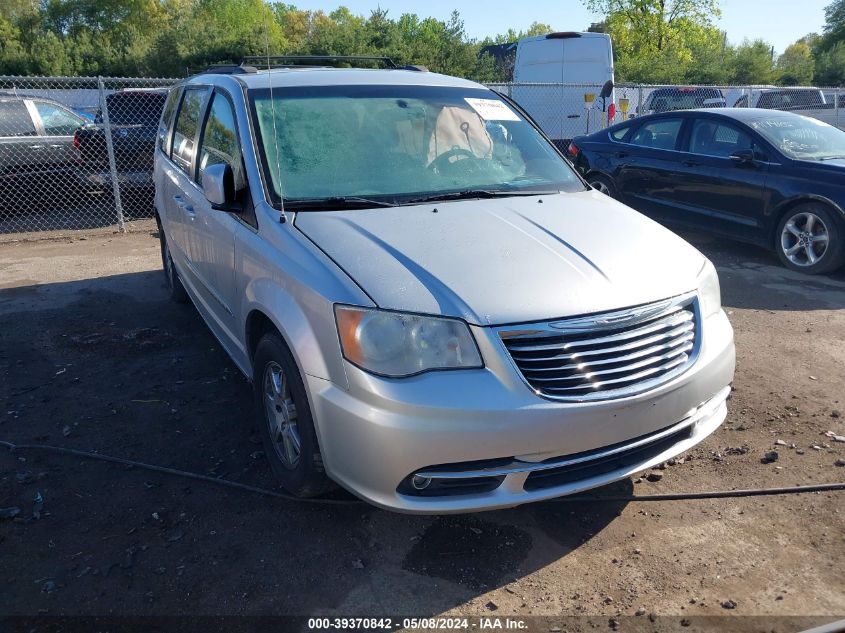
[445,159]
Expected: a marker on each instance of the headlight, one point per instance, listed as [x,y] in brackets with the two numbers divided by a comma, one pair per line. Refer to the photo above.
[395,344]
[709,293]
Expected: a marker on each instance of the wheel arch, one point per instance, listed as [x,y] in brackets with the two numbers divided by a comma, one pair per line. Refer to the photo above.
[593,172]
[258,324]
[311,338]
[787,205]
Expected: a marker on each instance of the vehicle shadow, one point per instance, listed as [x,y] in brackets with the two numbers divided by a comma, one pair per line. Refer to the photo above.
[110,365]
[753,278]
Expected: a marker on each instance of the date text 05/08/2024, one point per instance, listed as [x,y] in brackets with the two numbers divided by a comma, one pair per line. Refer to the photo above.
[433,623]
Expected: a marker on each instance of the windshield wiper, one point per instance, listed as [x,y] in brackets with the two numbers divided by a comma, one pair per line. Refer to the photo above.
[831,158]
[472,194]
[334,203]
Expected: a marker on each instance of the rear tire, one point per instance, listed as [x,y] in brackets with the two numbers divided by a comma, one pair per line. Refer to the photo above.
[174,285]
[602,184]
[810,239]
[284,420]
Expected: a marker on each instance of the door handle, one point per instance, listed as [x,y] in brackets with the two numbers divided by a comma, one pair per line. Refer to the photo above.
[186,206]
[622,154]
[573,116]
[691,163]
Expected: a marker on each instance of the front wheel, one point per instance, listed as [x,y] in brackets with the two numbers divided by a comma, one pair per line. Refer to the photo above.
[174,285]
[284,420]
[809,239]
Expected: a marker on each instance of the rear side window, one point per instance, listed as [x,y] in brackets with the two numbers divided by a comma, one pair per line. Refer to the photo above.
[15,119]
[57,121]
[166,122]
[662,134]
[135,108]
[790,99]
[220,140]
[684,99]
[185,131]
[716,139]
[619,134]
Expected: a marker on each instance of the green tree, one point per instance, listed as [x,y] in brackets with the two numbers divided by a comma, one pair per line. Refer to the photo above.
[754,64]
[830,66]
[829,48]
[664,41]
[797,65]
[834,27]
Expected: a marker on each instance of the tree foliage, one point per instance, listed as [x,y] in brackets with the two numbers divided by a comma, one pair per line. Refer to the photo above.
[171,37]
[829,48]
[655,41]
[797,64]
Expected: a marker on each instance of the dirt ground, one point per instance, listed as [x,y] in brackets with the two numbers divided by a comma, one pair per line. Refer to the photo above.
[93,356]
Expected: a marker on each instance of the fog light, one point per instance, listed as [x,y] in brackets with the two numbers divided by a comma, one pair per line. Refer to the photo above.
[420,483]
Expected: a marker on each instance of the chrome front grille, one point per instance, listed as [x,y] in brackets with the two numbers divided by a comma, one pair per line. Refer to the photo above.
[606,355]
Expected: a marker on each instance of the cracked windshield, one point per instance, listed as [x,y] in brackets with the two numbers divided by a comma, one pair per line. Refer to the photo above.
[395,143]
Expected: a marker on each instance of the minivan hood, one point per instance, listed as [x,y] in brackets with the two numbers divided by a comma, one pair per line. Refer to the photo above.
[507,260]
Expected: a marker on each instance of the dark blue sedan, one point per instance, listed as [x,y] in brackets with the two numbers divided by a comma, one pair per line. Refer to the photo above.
[772,178]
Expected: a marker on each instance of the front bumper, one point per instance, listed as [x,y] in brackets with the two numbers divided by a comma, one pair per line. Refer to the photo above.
[488,423]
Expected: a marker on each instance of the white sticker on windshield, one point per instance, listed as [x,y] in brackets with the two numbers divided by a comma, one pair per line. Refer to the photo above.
[492,110]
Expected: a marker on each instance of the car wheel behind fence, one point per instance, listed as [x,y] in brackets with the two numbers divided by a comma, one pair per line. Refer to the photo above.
[809,239]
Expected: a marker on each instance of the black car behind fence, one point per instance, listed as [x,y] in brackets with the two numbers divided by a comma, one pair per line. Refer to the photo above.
[76,152]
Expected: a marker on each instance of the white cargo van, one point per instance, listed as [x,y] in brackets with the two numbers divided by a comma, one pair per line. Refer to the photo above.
[584,59]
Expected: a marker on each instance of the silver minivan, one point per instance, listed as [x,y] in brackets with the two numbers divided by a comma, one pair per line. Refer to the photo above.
[435,311]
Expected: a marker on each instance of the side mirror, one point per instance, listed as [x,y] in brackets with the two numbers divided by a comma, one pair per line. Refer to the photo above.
[743,156]
[606,91]
[218,185]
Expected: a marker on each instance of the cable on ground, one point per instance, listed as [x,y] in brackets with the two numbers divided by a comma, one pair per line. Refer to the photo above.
[670,496]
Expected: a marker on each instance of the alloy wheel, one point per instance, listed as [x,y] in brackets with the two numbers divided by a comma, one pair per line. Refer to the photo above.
[281,416]
[599,186]
[804,239]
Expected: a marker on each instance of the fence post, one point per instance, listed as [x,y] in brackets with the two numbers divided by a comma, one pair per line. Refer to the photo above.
[121,227]
[640,107]
[836,98]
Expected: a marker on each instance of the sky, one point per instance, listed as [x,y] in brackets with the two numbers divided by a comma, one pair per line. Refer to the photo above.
[780,22]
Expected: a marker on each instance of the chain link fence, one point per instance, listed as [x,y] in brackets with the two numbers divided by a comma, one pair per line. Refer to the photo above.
[77,152]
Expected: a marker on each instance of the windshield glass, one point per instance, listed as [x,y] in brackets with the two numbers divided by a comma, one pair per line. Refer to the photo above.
[391,143]
[802,137]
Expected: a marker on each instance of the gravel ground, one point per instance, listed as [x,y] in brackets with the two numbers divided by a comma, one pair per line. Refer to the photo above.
[93,356]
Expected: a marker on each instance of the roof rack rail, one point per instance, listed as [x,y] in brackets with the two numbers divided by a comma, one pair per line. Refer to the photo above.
[228,69]
[264,61]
